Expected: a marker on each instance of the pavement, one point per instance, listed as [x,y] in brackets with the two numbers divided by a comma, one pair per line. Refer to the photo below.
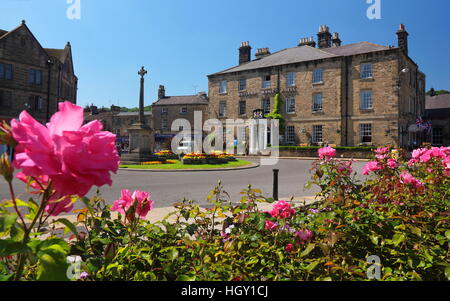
[169,188]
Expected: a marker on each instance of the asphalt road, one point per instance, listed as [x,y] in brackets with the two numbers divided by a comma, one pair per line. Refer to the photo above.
[169,187]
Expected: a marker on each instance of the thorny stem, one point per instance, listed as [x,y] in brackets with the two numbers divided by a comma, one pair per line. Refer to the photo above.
[22,257]
[13,197]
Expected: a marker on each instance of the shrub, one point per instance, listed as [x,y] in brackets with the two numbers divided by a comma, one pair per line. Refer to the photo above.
[399,214]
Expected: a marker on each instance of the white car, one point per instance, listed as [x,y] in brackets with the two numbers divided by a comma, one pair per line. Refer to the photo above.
[185,147]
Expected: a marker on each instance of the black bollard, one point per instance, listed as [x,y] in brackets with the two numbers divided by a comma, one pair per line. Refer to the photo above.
[275,184]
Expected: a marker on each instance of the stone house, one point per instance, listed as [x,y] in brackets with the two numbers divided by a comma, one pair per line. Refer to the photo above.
[33,78]
[115,121]
[347,95]
[167,109]
[438,112]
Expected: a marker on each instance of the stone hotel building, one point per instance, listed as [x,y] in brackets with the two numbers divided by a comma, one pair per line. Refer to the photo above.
[32,77]
[346,95]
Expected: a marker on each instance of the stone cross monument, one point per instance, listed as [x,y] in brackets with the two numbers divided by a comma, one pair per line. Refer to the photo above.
[142,138]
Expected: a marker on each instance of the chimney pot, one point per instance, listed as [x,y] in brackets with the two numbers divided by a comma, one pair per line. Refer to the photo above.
[245,53]
[324,37]
[161,92]
[402,36]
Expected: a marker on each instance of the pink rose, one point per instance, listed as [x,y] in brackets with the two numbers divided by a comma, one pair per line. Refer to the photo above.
[371,167]
[382,150]
[289,248]
[142,200]
[282,210]
[392,164]
[73,156]
[327,153]
[57,204]
[407,178]
[270,225]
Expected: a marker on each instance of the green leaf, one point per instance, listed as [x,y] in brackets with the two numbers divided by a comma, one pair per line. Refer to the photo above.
[7,220]
[68,224]
[6,277]
[10,247]
[447,273]
[308,250]
[374,239]
[311,266]
[398,239]
[52,265]
[186,278]
[447,234]
[52,259]
[173,254]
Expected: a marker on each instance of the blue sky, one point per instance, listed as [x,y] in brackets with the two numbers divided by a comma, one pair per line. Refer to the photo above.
[180,42]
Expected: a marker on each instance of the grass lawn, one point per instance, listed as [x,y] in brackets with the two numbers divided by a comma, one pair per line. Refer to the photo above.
[178,165]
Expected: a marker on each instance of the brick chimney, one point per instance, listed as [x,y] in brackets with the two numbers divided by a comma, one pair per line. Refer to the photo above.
[307,42]
[262,52]
[245,53]
[324,37]
[161,92]
[402,35]
[336,40]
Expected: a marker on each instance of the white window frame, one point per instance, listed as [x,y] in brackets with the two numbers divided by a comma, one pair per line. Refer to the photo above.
[366,70]
[317,107]
[265,105]
[164,124]
[290,134]
[240,107]
[290,105]
[267,84]
[164,111]
[366,103]
[290,79]
[183,110]
[317,76]
[223,87]
[222,109]
[365,130]
[317,135]
[242,84]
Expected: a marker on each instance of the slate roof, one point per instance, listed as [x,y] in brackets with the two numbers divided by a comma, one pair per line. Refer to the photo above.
[147,113]
[437,102]
[304,54]
[182,100]
[60,54]
[3,32]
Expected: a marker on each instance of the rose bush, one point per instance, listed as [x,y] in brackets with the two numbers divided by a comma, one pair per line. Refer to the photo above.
[60,162]
[400,213]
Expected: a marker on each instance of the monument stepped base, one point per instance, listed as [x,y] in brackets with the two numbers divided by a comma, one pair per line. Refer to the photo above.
[136,158]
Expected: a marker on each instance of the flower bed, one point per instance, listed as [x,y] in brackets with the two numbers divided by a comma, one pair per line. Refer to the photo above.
[160,162]
[167,154]
[398,218]
[214,158]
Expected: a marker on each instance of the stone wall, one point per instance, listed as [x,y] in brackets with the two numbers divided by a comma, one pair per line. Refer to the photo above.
[340,153]
[20,49]
[390,91]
